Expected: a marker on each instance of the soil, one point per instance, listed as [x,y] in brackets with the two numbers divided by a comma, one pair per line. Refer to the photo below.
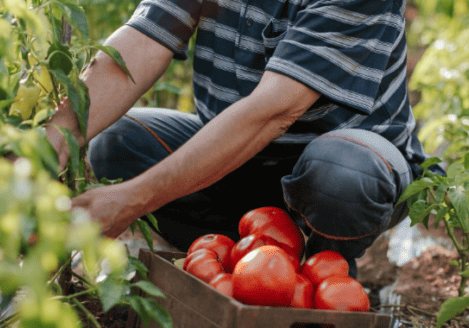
[423,283]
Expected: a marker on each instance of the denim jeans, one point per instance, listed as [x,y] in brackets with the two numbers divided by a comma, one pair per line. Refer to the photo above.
[340,188]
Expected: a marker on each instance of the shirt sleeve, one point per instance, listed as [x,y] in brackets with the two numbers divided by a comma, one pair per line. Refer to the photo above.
[341,49]
[169,22]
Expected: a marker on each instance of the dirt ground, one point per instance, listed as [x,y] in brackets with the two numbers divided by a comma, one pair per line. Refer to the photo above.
[423,283]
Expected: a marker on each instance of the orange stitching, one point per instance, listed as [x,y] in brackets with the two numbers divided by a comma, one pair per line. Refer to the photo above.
[326,235]
[152,133]
[363,144]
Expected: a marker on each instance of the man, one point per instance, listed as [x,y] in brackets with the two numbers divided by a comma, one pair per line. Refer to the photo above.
[309,92]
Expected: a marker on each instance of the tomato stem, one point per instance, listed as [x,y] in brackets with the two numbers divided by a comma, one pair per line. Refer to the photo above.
[86,312]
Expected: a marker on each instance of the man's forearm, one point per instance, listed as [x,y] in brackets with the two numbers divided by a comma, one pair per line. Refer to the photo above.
[223,145]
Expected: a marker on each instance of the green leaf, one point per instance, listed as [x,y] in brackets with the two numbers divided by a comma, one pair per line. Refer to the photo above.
[78,104]
[74,149]
[105,181]
[454,169]
[454,262]
[157,312]
[439,215]
[415,187]
[133,226]
[149,288]
[146,232]
[111,292]
[460,202]
[466,161]
[138,307]
[465,273]
[60,58]
[136,264]
[48,154]
[153,221]
[450,309]
[75,16]
[42,115]
[84,109]
[429,162]
[440,193]
[416,212]
[116,56]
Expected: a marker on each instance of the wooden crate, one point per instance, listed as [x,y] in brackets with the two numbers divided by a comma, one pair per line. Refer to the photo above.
[194,303]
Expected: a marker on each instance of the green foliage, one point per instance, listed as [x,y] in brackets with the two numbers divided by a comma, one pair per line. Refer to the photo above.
[448,199]
[40,63]
[442,76]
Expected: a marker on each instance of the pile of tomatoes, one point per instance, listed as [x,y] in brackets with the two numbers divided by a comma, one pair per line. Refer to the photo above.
[263,268]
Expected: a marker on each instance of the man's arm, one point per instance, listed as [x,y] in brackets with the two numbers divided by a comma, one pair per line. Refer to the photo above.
[224,144]
[112,92]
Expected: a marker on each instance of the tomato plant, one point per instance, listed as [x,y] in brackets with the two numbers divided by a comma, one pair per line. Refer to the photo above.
[275,223]
[324,264]
[265,276]
[220,244]
[44,48]
[341,293]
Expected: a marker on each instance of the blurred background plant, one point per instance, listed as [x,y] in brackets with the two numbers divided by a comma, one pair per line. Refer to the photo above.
[441,76]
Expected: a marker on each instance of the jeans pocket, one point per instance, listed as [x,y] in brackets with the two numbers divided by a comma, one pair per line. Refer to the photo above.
[272,34]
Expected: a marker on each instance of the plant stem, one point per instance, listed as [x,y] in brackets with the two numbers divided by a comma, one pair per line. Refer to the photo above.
[450,232]
[462,285]
[61,269]
[421,311]
[86,312]
[81,278]
[72,296]
[54,89]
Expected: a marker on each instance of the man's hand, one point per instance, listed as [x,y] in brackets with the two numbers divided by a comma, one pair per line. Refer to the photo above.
[64,117]
[111,206]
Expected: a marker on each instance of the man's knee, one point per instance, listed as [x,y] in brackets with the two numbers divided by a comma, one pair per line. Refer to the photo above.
[342,188]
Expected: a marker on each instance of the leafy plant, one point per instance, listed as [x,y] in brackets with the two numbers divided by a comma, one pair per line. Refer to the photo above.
[448,199]
[44,47]
[442,76]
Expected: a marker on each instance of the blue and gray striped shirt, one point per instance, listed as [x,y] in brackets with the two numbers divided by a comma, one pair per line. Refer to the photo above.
[353,52]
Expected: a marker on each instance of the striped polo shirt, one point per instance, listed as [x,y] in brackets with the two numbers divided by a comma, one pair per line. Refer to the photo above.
[353,52]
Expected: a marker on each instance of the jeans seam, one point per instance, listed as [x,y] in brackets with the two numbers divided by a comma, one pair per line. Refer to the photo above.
[374,232]
[152,133]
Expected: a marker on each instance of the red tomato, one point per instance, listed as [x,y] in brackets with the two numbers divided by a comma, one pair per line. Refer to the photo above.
[251,242]
[265,276]
[204,264]
[220,244]
[324,264]
[276,223]
[341,293]
[207,253]
[256,219]
[223,282]
[304,293]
